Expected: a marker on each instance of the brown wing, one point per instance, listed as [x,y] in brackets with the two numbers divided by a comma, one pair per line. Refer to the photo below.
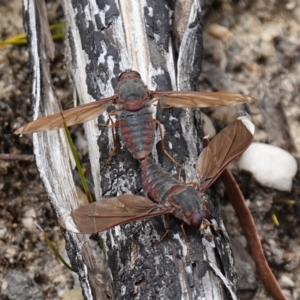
[109,212]
[71,116]
[189,99]
[233,140]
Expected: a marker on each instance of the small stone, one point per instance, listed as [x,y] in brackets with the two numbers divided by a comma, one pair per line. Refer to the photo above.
[3,232]
[29,216]
[28,222]
[277,253]
[286,282]
[30,213]
[290,5]
[72,295]
[17,285]
[271,166]
[10,253]
[220,32]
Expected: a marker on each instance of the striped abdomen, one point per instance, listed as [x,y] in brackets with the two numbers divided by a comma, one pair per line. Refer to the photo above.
[137,131]
[162,187]
[157,182]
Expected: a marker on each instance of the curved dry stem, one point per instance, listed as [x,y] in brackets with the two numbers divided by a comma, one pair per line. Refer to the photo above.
[237,200]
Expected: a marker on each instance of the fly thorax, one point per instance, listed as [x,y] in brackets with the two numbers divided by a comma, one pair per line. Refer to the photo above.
[188,199]
[179,211]
[131,89]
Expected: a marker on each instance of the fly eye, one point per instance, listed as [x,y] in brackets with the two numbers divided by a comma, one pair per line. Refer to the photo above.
[205,214]
[196,220]
[198,217]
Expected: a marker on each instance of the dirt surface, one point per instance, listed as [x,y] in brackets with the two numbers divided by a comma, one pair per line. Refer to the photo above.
[27,264]
[250,47]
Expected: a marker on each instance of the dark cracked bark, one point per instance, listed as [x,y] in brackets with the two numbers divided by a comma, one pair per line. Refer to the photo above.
[104,39]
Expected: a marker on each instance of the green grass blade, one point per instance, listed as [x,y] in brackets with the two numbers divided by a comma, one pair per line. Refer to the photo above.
[78,165]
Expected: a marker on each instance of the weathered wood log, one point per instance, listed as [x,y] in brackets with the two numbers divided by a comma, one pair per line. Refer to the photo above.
[103,39]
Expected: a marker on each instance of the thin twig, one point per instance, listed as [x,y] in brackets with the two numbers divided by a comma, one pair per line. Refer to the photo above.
[21,157]
[238,202]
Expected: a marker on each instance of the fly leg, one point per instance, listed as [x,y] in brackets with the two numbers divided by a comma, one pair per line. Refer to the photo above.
[184,234]
[112,126]
[205,224]
[168,230]
[206,220]
[180,166]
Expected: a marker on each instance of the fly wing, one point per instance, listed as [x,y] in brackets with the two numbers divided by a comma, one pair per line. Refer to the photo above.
[109,212]
[232,141]
[189,99]
[71,117]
